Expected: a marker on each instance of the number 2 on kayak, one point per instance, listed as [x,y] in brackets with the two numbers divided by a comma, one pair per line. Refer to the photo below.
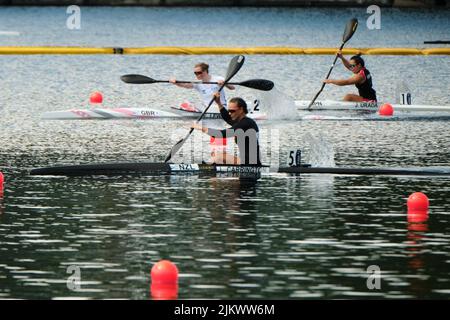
[256,105]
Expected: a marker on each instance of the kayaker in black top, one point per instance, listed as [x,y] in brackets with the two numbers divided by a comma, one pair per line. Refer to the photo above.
[362,79]
[243,129]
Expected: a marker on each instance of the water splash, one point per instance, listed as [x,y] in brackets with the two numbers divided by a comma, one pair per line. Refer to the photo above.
[276,104]
[320,151]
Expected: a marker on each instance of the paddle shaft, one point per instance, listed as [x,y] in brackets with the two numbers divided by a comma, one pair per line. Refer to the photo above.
[234,66]
[209,105]
[196,82]
[350,29]
[328,75]
[258,84]
[181,142]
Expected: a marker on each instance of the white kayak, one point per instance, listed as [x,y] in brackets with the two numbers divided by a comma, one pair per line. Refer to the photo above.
[135,113]
[365,106]
[190,112]
[108,113]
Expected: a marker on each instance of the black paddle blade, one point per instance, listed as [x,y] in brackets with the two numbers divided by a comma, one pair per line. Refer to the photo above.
[258,84]
[136,79]
[178,146]
[350,29]
[174,149]
[234,66]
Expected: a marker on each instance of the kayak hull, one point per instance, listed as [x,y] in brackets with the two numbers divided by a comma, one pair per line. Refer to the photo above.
[180,113]
[366,106]
[132,168]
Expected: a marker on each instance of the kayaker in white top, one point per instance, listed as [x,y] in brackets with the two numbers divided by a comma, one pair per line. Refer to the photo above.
[206,91]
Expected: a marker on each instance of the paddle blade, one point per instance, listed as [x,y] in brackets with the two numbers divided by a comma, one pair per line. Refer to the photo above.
[258,84]
[235,65]
[136,79]
[176,147]
[350,29]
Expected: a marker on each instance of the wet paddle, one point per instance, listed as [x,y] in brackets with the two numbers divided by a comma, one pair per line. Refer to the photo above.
[233,68]
[258,84]
[350,29]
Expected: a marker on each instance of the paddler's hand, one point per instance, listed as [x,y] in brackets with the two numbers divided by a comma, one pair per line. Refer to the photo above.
[220,82]
[339,54]
[217,99]
[173,80]
[328,81]
[197,126]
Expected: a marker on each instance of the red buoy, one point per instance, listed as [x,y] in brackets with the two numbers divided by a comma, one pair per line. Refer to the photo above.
[386,110]
[164,272]
[96,97]
[416,218]
[418,202]
[2,179]
[164,291]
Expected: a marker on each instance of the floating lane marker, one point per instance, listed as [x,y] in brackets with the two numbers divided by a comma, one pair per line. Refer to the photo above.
[223,50]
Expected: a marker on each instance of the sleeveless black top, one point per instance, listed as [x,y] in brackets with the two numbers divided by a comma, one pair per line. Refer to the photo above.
[365,89]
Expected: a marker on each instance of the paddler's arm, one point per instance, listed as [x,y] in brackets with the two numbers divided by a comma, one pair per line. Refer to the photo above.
[228,86]
[223,111]
[345,82]
[197,126]
[181,85]
[344,61]
[213,132]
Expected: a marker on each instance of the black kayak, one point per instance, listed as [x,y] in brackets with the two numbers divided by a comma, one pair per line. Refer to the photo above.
[142,168]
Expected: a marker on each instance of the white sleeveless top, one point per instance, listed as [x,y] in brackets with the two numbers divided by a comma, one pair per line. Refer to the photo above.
[207,91]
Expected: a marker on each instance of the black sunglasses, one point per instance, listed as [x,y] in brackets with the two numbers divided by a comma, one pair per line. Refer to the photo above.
[197,73]
[232,111]
[353,66]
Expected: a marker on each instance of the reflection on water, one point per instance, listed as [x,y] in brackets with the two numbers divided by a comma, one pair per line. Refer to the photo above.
[283,237]
[416,236]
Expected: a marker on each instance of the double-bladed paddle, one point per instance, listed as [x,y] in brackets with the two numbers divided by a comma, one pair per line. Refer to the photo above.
[350,29]
[233,68]
[258,84]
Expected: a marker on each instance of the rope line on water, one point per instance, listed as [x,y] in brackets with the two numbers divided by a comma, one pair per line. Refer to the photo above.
[222,50]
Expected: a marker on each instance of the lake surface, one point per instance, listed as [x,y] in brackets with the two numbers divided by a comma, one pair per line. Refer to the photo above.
[285,237]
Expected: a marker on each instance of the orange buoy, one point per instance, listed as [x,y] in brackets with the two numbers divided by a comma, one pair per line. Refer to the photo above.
[386,110]
[96,97]
[164,272]
[418,202]
[164,291]
[2,179]
[164,276]
[416,218]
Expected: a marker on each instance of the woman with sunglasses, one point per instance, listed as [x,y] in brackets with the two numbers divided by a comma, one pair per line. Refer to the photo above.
[206,91]
[362,79]
[244,130]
